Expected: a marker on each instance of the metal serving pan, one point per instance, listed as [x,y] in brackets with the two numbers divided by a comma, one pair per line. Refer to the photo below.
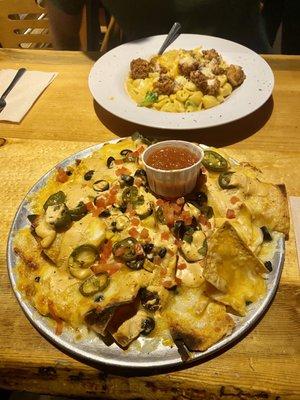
[146,354]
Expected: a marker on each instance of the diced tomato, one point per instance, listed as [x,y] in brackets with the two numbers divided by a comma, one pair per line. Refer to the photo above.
[130,210]
[169,216]
[119,251]
[119,162]
[97,268]
[178,281]
[178,242]
[133,232]
[122,171]
[165,236]
[114,189]
[110,268]
[177,209]
[140,150]
[100,202]
[160,202]
[230,214]
[61,175]
[180,201]
[134,154]
[167,282]
[138,248]
[202,219]
[181,266]
[186,217]
[111,199]
[135,221]
[90,206]
[97,211]
[234,199]
[106,251]
[144,234]
[59,327]
[157,260]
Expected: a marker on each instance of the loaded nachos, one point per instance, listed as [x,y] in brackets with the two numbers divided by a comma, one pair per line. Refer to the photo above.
[103,251]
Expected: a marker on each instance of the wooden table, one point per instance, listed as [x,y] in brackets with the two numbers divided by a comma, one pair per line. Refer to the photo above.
[265,364]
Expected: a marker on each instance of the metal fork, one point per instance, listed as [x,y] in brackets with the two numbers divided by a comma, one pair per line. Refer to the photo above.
[172,35]
[10,87]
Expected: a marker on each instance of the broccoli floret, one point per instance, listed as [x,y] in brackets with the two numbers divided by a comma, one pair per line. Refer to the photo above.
[150,98]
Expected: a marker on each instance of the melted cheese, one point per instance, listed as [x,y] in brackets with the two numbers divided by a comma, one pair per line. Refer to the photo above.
[123,287]
[233,270]
[231,274]
[88,230]
[192,275]
[197,320]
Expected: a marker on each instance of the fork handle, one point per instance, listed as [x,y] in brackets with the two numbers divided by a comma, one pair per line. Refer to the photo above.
[13,82]
[172,35]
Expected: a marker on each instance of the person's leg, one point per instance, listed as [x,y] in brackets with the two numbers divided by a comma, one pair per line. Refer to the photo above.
[65,20]
[291,27]
[272,15]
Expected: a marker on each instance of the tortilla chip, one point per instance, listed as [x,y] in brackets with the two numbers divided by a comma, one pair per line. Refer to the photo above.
[233,269]
[269,207]
[198,321]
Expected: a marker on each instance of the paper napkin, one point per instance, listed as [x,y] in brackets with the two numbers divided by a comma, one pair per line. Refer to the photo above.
[24,94]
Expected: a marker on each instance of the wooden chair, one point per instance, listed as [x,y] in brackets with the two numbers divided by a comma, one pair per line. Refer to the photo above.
[112,37]
[23,24]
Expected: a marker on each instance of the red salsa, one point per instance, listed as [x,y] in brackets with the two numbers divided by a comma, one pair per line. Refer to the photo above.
[170,157]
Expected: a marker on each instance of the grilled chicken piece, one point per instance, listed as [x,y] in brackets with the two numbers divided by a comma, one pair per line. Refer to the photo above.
[130,329]
[98,321]
[235,75]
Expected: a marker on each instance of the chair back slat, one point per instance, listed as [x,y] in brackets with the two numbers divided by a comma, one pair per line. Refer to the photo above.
[23,23]
[8,7]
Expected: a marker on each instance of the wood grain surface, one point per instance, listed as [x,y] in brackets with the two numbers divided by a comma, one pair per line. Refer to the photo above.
[265,364]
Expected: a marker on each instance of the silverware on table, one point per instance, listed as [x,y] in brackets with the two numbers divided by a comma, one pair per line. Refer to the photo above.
[172,35]
[10,87]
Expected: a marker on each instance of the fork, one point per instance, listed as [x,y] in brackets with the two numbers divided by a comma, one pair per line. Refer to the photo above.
[172,35]
[10,87]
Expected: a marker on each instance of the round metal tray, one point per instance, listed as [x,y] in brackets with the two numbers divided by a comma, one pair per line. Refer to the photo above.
[147,353]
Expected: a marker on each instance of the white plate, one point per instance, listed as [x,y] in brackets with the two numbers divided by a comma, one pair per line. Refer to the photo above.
[107,77]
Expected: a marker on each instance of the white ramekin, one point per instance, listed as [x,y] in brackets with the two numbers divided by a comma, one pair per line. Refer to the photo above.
[176,182]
